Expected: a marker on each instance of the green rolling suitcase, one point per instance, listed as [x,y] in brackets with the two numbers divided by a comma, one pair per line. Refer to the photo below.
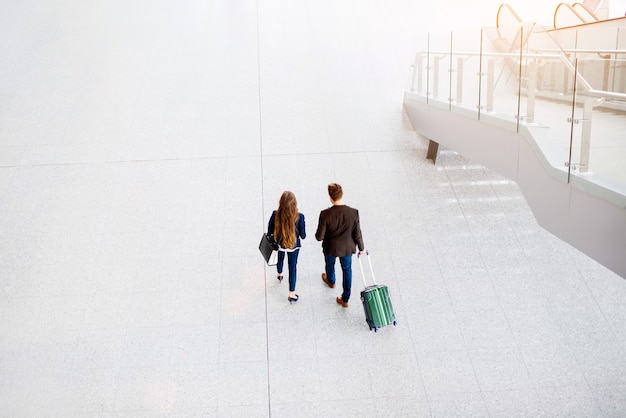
[376,302]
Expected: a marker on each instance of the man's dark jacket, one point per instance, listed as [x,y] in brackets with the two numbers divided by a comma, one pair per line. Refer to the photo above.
[339,230]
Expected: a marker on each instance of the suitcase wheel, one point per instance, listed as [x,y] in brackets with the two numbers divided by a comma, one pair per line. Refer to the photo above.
[395,323]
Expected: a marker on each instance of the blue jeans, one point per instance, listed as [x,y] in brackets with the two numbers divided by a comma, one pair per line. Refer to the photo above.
[346,268]
[292,261]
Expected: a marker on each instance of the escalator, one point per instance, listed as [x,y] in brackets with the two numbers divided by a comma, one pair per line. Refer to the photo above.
[570,15]
[543,106]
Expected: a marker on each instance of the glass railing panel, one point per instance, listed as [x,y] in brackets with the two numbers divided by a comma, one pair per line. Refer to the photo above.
[621,39]
[577,132]
[599,123]
[465,74]
[499,83]
[620,59]
[602,71]
[562,40]
[545,106]
[596,39]
[600,60]
[438,62]
[619,84]
[418,76]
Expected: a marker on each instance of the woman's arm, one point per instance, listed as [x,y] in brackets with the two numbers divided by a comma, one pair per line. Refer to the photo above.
[270,224]
[301,226]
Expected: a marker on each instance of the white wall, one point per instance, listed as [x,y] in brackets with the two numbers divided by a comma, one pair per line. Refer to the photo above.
[617,8]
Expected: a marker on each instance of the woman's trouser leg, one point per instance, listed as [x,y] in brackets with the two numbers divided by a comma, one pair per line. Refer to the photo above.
[292,260]
[281,260]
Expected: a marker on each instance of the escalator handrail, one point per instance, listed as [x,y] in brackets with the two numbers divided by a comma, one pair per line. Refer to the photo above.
[586,9]
[571,9]
[510,9]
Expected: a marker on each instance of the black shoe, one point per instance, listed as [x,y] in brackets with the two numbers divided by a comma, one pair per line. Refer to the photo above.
[290,299]
[280,279]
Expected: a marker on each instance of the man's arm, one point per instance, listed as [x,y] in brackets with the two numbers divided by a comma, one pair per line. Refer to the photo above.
[321,229]
[356,234]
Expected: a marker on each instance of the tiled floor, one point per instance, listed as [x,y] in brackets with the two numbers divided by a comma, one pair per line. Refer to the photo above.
[143,146]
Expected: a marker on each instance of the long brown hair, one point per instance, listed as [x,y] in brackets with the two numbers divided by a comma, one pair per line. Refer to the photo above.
[285,222]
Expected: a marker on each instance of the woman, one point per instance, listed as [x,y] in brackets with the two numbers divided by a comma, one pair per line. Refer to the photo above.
[288,227]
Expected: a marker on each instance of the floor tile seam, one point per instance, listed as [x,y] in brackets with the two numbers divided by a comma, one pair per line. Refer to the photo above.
[331,153]
[261,157]
[413,351]
[517,236]
[13,166]
[576,357]
[415,343]
[126,161]
[527,369]
[535,386]
[501,309]
[602,313]
[120,369]
[427,393]
[483,392]
[219,321]
[526,248]
[510,329]
[228,362]
[450,181]
[128,327]
[319,355]
[399,283]
[467,350]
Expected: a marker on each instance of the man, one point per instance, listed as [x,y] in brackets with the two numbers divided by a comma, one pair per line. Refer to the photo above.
[339,230]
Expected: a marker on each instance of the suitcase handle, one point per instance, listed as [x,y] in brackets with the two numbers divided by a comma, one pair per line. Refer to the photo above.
[361,265]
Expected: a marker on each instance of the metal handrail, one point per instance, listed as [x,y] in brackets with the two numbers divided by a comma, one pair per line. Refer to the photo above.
[588,51]
[587,87]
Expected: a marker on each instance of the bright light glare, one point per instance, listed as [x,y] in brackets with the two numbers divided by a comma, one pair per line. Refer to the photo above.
[454,15]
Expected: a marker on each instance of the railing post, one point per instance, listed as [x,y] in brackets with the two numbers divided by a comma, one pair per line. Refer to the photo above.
[491,75]
[459,80]
[414,75]
[420,72]
[436,77]
[585,141]
[531,88]
[450,71]
[606,69]
[619,74]
[480,75]
[565,88]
